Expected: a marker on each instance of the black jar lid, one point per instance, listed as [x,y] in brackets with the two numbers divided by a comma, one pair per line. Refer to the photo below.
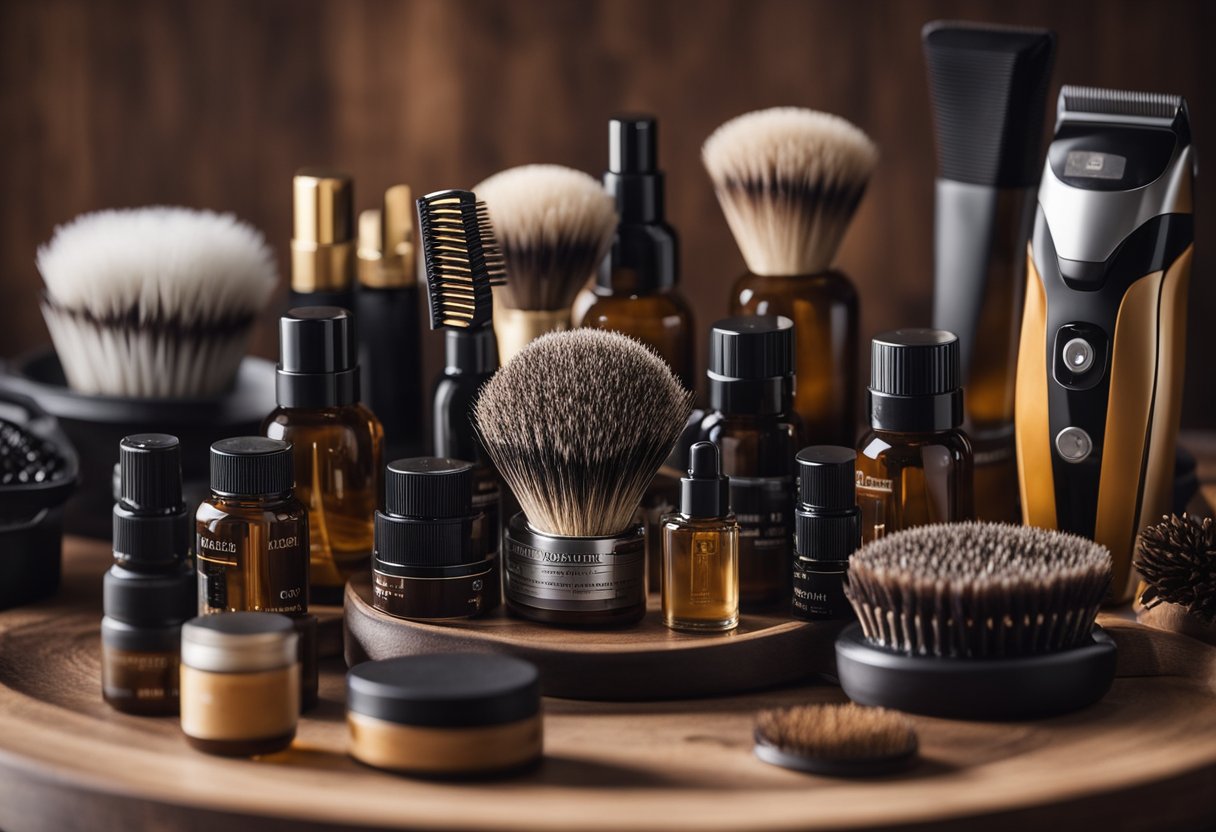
[751,364]
[150,600]
[251,466]
[150,473]
[459,690]
[428,486]
[827,477]
[915,381]
[318,358]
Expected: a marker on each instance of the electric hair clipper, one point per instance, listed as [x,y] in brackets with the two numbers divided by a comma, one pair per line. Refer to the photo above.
[1099,377]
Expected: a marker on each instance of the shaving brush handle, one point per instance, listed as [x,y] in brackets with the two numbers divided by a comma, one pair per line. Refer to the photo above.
[515,328]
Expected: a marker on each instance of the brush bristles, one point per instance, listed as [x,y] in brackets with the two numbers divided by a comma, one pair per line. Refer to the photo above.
[555,225]
[1177,559]
[978,590]
[578,423]
[154,302]
[462,259]
[838,732]
[788,181]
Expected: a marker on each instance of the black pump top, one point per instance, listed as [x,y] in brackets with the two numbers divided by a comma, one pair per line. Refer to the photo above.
[751,364]
[633,142]
[150,473]
[827,477]
[318,358]
[472,352]
[704,492]
[428,487]
[251,467]
[915,381]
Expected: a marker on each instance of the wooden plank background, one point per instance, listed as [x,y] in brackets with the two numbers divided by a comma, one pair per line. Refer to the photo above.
[214,103]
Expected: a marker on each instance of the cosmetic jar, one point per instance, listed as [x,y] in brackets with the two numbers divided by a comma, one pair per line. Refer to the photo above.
[430,560]
[575,581]
[451,715]
[240,683]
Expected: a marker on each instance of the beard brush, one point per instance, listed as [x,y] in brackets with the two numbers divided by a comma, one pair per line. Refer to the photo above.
[555,225]
[154,302]
[1176,559]
[578,423]
[836,740]
[977,621]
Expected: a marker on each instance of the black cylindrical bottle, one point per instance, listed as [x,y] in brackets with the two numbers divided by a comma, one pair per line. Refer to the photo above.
[752,421]
[827,529]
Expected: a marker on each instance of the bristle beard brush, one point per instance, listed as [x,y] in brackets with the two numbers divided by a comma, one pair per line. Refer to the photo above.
[578,423]
[983,621]
[154,302]
[554,225]
[789,181]
[1176,559]
[836,740]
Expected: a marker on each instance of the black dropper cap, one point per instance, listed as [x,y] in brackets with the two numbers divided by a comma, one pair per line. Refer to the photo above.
[646,249]
[318,358]
[251,467]
[704,492]
[915,381]
[751,364]
[471,352]
[427,520]
[827,521]
[152,528]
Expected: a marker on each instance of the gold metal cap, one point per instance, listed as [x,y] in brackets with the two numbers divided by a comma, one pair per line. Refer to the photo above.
[386,242]
[322,239]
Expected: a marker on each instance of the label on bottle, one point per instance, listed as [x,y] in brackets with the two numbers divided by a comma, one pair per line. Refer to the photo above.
[253,567]
[576,580]
[873,496]
[764,507]
[819,593]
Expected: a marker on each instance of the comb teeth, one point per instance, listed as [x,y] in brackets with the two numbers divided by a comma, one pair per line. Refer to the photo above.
[1119,102]
[462,257]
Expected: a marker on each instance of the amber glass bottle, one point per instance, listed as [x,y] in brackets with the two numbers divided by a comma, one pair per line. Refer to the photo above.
[915,465]
[336,442]
[823,308]
[751,383]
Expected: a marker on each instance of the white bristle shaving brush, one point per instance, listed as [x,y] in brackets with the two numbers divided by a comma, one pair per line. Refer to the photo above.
[555,224]
[154,302]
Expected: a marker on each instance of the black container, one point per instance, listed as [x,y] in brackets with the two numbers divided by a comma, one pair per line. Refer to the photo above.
[827,530]
[96,424]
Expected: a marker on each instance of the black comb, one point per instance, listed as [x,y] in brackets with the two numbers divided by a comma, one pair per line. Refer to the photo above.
[989,90]
[462,258]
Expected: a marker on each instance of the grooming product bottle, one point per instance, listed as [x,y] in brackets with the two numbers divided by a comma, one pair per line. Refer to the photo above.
[752,421]
[336,442]
[914,466]
[252,541]
[240,683]
[701,550]
[1099,378]
[386,307]
[432,559]
[989,90]
[827,530]
[150,590]
[322,239]
[789,181]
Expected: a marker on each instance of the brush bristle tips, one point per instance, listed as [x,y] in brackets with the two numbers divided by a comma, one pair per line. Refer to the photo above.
[846,733]
[1177,559]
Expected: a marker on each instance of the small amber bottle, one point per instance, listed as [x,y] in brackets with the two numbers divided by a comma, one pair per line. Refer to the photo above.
[914,466]
[751,420]
[336,442]
[701,550]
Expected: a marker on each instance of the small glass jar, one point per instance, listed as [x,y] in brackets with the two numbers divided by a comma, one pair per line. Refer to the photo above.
[240,683]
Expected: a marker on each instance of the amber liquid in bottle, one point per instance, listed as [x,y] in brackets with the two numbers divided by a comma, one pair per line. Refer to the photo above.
[701,573]
[824,310]
[906,480]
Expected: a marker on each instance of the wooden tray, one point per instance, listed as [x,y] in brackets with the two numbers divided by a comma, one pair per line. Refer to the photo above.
[644,662]
[1143,758]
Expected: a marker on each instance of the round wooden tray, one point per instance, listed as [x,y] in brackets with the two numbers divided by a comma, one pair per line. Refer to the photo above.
[1143,758]
[644,662]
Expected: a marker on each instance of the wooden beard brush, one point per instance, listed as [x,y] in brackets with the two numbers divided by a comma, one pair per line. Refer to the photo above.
[578,423]
[836,740]
[977,621]
[154,302]
[1177,560]
[555,225]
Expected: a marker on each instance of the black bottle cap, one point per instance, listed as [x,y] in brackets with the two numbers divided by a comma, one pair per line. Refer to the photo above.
[827,477]
[633,142]
[915,381]
[472,352]
[704,492]
[427,520]
[251,466]
[318,358]
[751,364]
[427,487]
[150,473]
[157,600]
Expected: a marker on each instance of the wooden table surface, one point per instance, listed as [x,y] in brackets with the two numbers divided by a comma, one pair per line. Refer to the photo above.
[1143,758]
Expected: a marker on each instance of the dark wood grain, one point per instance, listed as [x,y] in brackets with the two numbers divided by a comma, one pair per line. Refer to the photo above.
[214,103]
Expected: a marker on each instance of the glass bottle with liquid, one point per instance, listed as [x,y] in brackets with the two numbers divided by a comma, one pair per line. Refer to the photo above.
[701,550]
[914,466]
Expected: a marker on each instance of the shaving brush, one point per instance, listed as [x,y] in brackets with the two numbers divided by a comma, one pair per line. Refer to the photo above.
[154,302]
[789,180]
[1177,560]
[577,424]
[554,225]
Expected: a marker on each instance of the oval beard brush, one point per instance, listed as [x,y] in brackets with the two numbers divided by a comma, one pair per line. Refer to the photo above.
[836,740]
[983,621]
[554,224]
